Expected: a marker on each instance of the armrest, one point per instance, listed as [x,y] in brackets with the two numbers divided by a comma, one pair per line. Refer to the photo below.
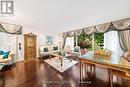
[10,58]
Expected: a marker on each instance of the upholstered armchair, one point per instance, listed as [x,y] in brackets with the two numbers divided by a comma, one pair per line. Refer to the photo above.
[73,54]
[67,49]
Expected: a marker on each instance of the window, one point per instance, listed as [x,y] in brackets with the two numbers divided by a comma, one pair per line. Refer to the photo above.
[8,42]
[70,41]
[90,42]
[98,41]
[85,41]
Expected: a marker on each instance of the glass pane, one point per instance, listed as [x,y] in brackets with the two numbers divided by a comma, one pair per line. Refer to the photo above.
[85,41]
[98,41]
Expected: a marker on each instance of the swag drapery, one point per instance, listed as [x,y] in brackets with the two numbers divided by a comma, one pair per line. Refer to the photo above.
[10,28]
[9,37]
[122,26]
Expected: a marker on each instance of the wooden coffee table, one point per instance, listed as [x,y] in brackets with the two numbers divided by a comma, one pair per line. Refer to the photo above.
[57,55]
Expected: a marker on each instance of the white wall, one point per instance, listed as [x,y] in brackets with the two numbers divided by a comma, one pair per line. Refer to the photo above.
[41,40]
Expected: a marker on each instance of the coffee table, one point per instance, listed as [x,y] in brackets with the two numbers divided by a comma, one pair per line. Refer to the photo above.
[57,55]
[60,55]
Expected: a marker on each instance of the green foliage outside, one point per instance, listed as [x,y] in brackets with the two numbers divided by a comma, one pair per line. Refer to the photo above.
[85,41]
[98,41]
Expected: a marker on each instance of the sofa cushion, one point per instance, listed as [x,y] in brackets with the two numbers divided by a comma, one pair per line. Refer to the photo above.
[1,57]
[55,48]
[46,49]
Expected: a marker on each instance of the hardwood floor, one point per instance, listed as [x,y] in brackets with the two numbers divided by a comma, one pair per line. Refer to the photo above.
[37,73]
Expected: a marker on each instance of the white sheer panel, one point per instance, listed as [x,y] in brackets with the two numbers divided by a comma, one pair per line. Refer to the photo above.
[70,41]
[111,42]
[8,42]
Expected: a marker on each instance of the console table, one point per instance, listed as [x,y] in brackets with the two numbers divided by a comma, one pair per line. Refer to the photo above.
[114,66]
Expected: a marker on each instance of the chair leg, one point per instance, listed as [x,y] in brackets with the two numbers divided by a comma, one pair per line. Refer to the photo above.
[111,80]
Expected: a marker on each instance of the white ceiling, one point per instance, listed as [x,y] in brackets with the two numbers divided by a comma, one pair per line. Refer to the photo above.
[57,16]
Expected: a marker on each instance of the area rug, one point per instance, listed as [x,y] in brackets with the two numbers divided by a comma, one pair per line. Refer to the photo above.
[55,63]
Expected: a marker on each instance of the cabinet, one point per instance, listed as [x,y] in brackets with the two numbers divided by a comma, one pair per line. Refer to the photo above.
[29,46]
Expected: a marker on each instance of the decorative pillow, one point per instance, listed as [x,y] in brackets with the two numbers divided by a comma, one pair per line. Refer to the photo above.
[76,50]
[55,48]
[128,59]
[125,62]
[2,52]
[106,54]
[45,49]
[83,51]
[6,54]
[126,55]
[97,52]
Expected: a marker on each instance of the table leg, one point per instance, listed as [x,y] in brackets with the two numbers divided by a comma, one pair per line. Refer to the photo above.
[80,71]
[111,80]
[50,56]
[61,61]
[128,83]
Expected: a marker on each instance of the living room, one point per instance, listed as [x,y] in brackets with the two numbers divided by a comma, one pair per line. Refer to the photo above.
[47,43]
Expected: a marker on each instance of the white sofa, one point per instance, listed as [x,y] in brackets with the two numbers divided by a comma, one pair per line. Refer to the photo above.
[42,53]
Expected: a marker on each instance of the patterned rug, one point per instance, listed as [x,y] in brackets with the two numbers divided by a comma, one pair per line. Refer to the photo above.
[55,63]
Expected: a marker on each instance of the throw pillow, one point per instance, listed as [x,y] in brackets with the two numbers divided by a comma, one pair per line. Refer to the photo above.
[97,52]
[45,49]
[83,51]
[6,54]
[126,54]
[76,50]
[55,48]
[2,52]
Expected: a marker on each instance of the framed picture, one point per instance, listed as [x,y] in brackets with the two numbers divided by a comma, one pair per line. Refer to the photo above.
[49,40]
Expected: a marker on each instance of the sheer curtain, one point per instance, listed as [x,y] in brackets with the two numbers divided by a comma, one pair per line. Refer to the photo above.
[70,41]
[111,42]
[9,42]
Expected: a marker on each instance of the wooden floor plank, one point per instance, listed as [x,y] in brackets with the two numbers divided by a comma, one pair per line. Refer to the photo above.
[37,73]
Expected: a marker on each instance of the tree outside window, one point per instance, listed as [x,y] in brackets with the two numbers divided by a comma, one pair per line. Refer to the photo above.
[86,41]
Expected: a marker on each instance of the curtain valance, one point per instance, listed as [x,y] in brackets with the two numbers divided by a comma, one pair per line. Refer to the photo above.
[103,27]
[119,25]
[78,32]
[89,30]
[10,28]
[70,34]
[122,24]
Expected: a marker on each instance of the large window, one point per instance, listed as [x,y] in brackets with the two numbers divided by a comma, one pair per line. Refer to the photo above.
[70,41]
[85,41]
[8,42]
[98,41]
[90,42]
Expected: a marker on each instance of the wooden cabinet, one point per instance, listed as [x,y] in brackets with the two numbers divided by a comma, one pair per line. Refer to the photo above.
[29,46]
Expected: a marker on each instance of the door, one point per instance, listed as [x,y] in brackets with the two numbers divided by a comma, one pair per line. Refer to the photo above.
[30,46]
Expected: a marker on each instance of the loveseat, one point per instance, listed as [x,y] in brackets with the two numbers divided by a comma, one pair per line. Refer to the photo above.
[46,50]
